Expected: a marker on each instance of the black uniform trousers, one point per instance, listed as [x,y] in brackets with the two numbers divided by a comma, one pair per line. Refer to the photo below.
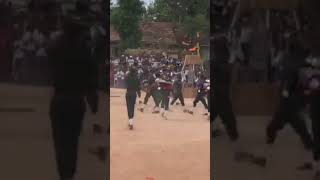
[165,99]
[288,112]
[222,107]
[315,117]
[131,97]
[200,97]
[177,96]
[66,115]
[154,94]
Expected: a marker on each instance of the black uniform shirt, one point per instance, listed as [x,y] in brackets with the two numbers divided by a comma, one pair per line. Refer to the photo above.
[133,84]
[177,86]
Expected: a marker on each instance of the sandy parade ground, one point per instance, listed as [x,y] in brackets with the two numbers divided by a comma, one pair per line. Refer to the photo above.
[283,158]
[174,149]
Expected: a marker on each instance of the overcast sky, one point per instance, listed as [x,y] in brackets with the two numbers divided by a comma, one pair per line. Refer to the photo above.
[147,2]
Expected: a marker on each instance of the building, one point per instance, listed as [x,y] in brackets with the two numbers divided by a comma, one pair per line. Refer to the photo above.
[114,42]
[158,35]
[155,35]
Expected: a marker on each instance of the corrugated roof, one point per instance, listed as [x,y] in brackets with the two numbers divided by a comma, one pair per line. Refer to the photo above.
[155,32]
[152,32]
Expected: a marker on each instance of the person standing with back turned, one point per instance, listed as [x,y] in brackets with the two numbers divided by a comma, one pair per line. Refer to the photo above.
[133,89]
[74,77]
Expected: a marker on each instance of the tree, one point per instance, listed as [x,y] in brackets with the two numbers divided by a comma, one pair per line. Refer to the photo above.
[160,11]
[125,17]
[193,25]
[186,8]
[191,15]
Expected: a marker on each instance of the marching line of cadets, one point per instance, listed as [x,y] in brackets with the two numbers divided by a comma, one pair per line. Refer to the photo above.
[299,92]
[159,86]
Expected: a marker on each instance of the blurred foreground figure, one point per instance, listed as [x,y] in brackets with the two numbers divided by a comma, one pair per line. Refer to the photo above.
[74,77]
[222,105]
[221,102]
[291,101]
[312,92]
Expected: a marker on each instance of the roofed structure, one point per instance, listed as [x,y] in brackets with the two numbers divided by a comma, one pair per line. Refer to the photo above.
[155,32]
[114,35]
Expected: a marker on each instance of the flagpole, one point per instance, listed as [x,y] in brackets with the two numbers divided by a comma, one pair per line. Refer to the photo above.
[198,45]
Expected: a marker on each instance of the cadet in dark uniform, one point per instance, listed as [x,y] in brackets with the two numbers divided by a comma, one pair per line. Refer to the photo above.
[291,100]
[312,92]
[207,87]
[165,89]
[151,91]
[314,84]
[133,89]
[201,93]
[222,105]
[74,78]
[177,91]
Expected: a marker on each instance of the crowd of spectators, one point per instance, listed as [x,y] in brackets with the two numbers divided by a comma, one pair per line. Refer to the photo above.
[257,38]
[26,31]
[153,64]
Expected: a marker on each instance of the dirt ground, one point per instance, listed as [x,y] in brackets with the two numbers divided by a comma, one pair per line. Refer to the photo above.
[173,149]
[282,160]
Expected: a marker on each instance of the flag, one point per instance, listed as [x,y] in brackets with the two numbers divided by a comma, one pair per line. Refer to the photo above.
[193,49]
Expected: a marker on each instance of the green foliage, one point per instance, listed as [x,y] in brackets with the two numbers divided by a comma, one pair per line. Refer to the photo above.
[198,23]
[126,18]
[191,15]
[160,11]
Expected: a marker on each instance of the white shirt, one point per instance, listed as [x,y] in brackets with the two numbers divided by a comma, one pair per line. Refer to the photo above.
[130,62]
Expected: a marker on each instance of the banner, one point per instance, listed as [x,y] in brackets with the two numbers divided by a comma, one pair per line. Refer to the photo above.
[192,59]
